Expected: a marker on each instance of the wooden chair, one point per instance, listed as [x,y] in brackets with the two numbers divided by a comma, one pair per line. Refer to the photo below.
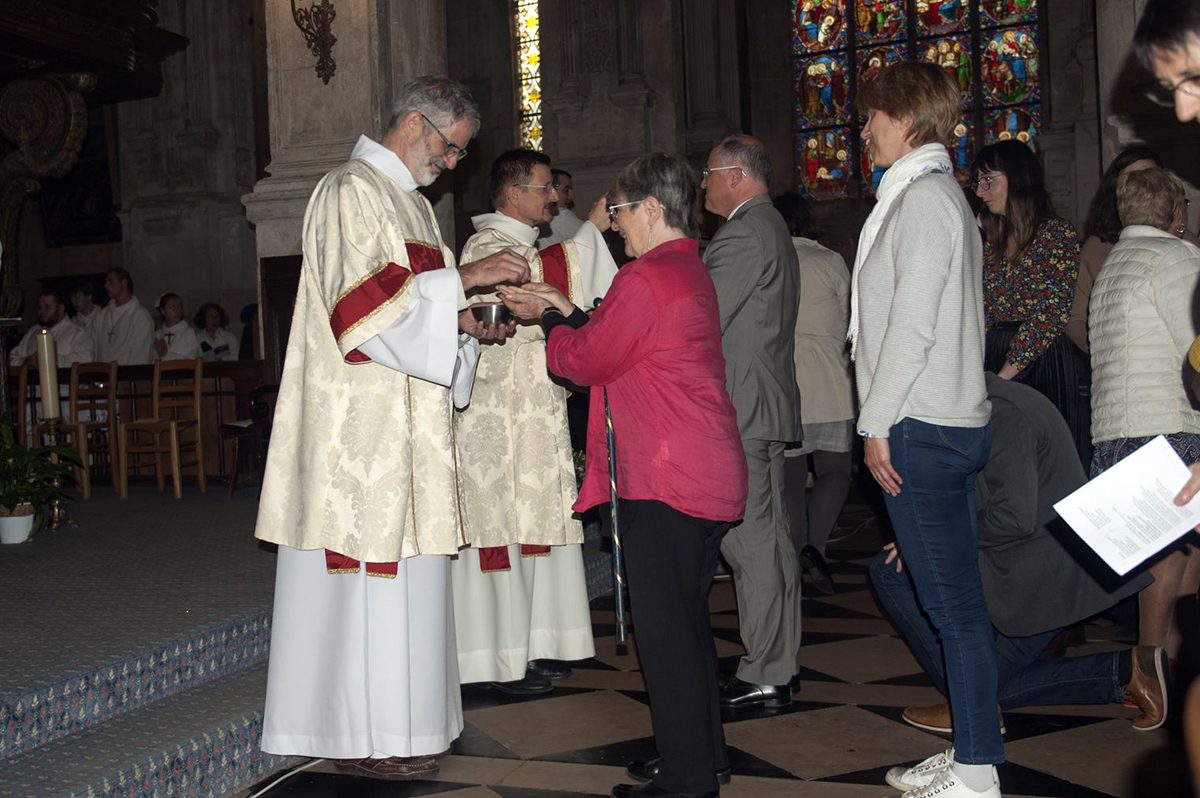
[251,436]
[90,426]
[175,406]
[19,402]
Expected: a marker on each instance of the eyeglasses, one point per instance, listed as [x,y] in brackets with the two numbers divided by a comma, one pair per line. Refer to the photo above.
[545,188]
[984,182]
[612,209]
[1160,94]
[706,171]
[452,150]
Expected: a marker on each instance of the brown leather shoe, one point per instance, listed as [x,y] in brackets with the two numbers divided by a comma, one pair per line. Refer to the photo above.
[1149,688]
[393,768]
[936,718]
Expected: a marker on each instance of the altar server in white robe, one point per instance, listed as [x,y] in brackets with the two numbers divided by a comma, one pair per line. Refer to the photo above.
[125,328]
[72,343]
[520,594]
[175,339]
[360,486]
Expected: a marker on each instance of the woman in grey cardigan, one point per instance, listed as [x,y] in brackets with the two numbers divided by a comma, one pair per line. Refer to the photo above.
[916,332]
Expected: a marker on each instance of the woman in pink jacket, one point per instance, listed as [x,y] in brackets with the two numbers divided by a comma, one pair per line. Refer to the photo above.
[654,347]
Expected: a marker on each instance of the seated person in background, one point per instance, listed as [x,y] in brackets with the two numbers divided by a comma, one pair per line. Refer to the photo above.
[74,344]
[216,342]
[124,328]
[1033,586]
[86,312]
[175,339]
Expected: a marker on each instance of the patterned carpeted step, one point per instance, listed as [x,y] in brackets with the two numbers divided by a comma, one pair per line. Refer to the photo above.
[201,742]
[93,695]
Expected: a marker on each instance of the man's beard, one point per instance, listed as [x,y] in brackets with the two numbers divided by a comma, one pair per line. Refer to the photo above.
[426,174]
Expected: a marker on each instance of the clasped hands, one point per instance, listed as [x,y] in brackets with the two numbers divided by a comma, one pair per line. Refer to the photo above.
[505,266]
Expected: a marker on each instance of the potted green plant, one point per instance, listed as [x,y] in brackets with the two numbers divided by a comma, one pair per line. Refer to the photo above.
[29,478]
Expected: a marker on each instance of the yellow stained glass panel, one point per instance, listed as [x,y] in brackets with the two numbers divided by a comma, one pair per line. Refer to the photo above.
[529,73]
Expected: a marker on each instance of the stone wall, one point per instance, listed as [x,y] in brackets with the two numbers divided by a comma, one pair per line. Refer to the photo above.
[186,157]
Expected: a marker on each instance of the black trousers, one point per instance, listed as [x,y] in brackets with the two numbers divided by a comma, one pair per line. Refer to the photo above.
[670,559]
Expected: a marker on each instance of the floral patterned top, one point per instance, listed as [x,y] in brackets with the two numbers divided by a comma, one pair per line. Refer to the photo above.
[1035,290]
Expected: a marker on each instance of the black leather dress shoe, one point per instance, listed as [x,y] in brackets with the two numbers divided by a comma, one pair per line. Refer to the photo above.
[646,770]
[817,569]
[548,669]
[530,685]
[652,790]
[737,694]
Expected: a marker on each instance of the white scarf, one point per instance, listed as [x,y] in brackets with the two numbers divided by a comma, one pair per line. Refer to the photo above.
[924,160]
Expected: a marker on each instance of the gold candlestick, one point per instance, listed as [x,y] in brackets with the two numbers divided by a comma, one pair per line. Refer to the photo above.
[56,512]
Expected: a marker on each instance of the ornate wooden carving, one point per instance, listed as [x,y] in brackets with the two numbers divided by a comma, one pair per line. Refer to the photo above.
[316,23]
[46,118]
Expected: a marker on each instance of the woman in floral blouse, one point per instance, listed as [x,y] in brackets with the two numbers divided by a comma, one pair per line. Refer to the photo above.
[1031,262]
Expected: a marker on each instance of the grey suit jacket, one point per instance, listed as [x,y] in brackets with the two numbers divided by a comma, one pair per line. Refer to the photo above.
[1031,581]
[753,266]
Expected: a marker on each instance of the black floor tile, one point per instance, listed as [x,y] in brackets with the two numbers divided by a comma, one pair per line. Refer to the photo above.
[331,785]
[473,742]
[618,754]
[530,792]
[478,696]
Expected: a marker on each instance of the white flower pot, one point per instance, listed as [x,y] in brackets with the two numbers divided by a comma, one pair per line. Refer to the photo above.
[17,528]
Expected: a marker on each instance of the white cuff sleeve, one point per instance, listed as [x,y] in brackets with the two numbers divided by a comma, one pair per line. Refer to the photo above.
[464,370]
[423,343]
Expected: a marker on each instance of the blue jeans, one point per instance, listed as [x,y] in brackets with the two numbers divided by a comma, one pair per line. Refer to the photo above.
[1024,679]
[934,519]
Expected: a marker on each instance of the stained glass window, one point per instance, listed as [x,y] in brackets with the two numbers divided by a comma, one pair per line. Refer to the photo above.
[990,48]
[529,74]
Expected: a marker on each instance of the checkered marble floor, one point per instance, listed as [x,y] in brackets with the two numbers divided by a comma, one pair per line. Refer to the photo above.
[839,736]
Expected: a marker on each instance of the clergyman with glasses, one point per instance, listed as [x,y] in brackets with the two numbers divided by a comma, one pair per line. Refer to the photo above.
[1167,43]
[520,593]
[360,485]
[756,273]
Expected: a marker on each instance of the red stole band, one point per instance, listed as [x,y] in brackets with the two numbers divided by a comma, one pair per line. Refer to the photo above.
[495,558]
[354,306]
[341,564]
[555,270]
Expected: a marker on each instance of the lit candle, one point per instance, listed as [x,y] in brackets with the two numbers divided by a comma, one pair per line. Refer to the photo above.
[47,358]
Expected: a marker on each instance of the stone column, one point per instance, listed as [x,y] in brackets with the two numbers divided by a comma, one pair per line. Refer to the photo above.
[1069,139]
[612,78]
[186,157]
[381,44]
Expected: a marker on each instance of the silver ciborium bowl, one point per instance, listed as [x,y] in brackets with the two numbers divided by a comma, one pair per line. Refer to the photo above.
[491,312]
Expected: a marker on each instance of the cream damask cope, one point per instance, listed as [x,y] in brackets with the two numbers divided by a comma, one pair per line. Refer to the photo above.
[514,449]
[361,458]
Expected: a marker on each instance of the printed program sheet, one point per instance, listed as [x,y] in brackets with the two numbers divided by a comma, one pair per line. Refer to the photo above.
[1128,514]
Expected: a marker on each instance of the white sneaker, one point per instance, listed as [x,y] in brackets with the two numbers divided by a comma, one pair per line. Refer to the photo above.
[919,775]
[947,785]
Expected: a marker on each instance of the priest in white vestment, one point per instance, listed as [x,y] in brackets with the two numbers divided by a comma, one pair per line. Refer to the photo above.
[360,485]
[124,328]
[520,594]
[72,343]
[563,222]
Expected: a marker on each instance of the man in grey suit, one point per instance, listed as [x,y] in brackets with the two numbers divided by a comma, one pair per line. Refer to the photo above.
[753,266]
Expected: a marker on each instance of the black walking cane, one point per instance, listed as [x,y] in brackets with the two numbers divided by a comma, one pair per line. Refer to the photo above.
[618,557]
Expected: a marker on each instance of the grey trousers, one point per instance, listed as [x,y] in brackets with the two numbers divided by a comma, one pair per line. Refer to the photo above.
[766,572]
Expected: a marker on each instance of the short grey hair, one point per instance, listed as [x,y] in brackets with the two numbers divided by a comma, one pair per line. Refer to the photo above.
[1149,196]
[668,178]
[443,100]
[739,149]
